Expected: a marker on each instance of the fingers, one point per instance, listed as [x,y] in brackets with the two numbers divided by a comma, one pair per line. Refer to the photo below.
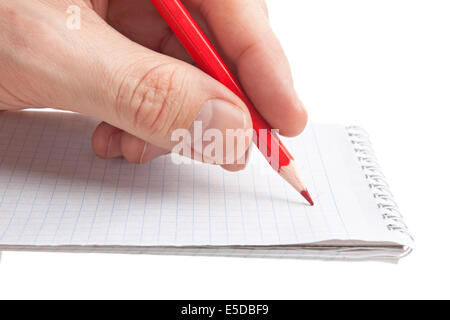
[97,71]
[136,150]
[109,142]
[152,96]
[106,141]
[242,30]
[241,164]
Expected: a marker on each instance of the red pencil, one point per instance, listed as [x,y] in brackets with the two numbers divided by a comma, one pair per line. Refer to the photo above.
[209,60]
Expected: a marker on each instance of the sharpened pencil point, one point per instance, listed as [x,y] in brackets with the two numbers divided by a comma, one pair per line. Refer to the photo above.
[291,175]
[307,196]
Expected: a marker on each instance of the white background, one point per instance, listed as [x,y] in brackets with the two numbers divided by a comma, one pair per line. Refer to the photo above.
[384,65]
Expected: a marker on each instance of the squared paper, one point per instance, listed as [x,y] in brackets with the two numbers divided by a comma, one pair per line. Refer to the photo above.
[55,192]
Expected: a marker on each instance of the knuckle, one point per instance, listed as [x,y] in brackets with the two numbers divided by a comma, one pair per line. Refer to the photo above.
[156,100]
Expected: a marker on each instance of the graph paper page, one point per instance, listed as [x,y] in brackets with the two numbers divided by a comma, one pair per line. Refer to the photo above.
[55,192]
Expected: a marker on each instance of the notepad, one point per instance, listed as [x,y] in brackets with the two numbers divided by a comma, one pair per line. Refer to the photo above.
[55,195]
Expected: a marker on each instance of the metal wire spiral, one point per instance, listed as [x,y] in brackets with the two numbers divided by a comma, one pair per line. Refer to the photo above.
[377,181]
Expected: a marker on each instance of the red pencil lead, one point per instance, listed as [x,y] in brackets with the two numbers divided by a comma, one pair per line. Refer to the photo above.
[307,196]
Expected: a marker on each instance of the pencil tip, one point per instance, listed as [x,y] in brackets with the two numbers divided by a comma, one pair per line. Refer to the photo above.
[291,175]
[307,196]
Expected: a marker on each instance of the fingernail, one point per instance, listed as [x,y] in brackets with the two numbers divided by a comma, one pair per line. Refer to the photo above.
[241,164]
[203,158]
[113,149]
[220,115]
[245,159]
[151,152]
[144,151]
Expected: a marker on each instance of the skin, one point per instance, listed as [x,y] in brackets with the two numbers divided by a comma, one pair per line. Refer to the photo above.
[127,69]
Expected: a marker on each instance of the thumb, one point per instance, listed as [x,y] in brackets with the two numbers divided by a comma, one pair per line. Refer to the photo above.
[159,96]
[150,95]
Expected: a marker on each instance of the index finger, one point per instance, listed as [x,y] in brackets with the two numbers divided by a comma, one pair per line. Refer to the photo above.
[242,29]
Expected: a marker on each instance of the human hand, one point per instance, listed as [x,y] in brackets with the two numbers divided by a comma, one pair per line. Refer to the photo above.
[124,67]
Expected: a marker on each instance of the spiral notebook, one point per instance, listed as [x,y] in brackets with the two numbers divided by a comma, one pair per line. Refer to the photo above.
[55,195]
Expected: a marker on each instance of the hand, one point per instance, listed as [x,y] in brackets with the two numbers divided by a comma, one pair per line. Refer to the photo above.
[126,68]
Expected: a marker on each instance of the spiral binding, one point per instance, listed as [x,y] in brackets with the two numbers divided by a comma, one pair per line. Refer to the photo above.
[377,181]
